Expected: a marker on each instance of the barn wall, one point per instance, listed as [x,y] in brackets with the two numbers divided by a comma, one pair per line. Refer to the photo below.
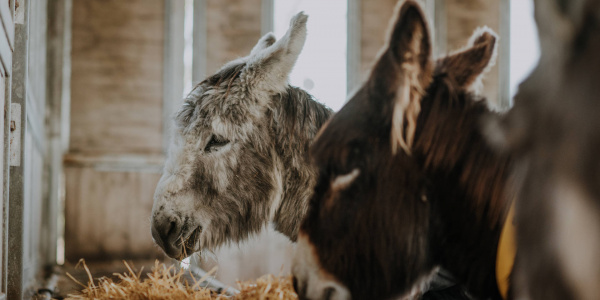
[116,141]
[117,55]
[121,205]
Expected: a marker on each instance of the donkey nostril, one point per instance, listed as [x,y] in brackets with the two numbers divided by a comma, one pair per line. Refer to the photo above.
[299,287]
[171,228]
[328,293]
[295,283]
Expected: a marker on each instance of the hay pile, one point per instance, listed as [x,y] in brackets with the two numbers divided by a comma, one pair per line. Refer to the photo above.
[165,283]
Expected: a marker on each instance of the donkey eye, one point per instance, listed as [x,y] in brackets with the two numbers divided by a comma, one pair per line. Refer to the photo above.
[215,143]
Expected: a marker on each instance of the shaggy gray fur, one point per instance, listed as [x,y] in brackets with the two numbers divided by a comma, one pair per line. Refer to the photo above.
[238,158]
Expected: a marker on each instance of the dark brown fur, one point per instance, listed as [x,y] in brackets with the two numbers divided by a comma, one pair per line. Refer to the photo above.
[405,214]
[554,133]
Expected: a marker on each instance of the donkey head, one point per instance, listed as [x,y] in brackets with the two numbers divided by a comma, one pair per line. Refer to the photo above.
[222,181]
[554,132]
[368,231]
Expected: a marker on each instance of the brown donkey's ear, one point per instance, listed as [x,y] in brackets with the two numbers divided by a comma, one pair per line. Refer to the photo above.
[405,68]
[409,41]
[467,66]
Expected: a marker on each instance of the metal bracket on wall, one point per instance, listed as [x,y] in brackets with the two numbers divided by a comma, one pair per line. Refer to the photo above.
[15,134]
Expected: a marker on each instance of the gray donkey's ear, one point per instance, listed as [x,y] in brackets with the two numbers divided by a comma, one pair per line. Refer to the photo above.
[265,42]
[269,69]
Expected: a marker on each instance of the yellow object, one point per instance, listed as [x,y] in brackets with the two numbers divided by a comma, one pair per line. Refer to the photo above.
[505,257]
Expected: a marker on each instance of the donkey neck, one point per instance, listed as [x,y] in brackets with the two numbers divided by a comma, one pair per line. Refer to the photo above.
[468,183]
[297,118]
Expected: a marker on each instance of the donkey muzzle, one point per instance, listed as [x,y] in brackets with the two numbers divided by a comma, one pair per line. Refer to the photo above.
[310,280]
[166,232]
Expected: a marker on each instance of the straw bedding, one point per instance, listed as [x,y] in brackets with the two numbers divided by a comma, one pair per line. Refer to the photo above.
[165,283]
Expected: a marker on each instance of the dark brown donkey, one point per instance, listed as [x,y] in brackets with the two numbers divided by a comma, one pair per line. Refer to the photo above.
[553,132]
[406,182]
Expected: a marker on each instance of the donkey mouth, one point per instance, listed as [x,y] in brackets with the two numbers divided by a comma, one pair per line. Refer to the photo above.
[188,245]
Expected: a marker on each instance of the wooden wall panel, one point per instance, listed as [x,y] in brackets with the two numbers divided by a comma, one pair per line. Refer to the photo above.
[233,28]
[116,79]
[116,138]
[109,214]
[375,22]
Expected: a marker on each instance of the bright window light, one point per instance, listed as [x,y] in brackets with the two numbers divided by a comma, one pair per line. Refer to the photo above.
[188,49]
[524,44]
[321,67]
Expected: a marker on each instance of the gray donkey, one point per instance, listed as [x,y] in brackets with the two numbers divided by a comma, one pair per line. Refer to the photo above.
[238,155]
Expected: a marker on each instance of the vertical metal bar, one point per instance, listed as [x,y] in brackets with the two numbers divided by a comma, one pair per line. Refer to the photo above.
[200,40]
[58,12]
[173,63]
[6,171]
[6,184]
[267,16]
[504,97]
[441,28]
[429,6]
[353,35]
[16,196]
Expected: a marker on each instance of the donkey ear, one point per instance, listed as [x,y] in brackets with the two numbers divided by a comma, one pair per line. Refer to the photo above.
[467,66]
[404,69]
[269,69]
[409,41]
[560,22]
[265,42]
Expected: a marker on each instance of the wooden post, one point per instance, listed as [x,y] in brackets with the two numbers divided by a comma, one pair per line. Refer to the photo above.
[57,93]
[200,40]
[267,10]
[16,204]
[504,97]
[353,52]
[173,63]
[7,10]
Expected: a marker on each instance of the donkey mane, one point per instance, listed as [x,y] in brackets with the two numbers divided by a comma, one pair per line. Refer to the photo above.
[238,158]
[297,119]
[297,108]
[227,74]
[449,140]
[465,174]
